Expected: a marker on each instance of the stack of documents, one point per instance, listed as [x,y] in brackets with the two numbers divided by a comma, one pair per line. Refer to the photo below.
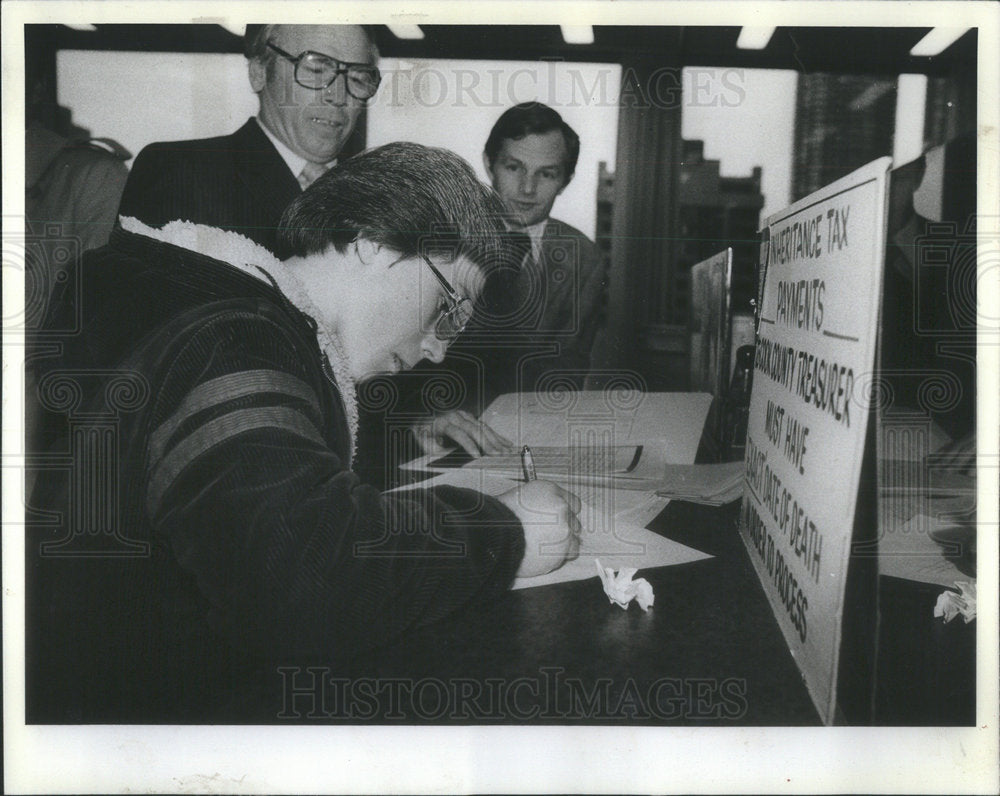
[609,448]
[611,530]
[710,484]
[620,440]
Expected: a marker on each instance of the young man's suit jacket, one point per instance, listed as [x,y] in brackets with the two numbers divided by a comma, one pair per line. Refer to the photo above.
[534,329]
[575,285]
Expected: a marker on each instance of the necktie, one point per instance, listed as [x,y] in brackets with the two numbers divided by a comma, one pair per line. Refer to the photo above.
[519,246]
[517,292]
[310,173]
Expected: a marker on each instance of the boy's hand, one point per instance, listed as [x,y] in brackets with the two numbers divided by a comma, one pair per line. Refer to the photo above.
[548,514]
[473,436]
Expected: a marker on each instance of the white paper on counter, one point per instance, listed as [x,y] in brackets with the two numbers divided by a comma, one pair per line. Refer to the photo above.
[667,425]
[611,532]
[669,421]
[711,484]
[629,546]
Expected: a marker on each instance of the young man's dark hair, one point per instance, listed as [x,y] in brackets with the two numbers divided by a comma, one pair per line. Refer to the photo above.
[528,118]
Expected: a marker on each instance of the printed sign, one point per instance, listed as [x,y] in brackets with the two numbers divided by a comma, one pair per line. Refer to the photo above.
[809,411]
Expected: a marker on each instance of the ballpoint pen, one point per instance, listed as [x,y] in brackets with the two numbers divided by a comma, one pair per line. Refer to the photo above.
[528,464]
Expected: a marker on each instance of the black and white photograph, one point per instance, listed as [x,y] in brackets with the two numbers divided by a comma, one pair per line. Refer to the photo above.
[501,397]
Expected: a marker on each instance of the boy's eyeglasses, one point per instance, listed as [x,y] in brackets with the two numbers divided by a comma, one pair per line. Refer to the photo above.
[451,321]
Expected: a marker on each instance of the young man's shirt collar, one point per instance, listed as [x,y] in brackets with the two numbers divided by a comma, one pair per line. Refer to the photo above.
[535,233]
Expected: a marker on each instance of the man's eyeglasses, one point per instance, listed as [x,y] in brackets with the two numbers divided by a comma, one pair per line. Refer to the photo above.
[316,71]
[452,320]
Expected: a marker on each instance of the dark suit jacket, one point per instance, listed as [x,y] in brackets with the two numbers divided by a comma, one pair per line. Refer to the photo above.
[575,283]
[236,182]
[538,330]
[532,331]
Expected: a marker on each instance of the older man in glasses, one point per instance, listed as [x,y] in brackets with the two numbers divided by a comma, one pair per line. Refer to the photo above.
[312,82]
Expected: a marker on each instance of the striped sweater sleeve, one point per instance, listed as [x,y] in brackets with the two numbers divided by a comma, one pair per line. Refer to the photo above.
[247,484]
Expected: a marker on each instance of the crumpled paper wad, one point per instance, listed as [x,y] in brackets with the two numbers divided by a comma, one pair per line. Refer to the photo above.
[621,589]
[949,605]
